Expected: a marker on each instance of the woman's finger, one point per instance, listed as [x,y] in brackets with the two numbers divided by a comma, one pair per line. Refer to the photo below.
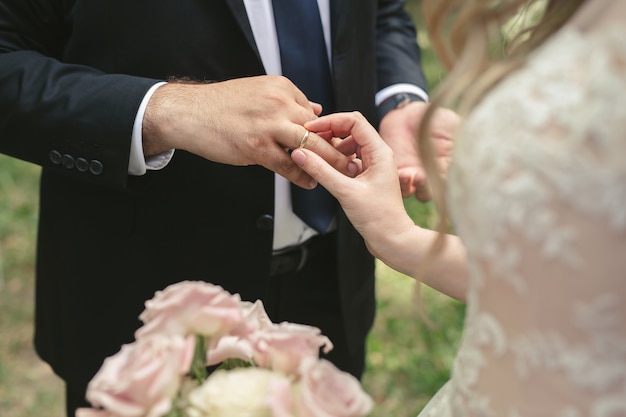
[345,124]
[322,171]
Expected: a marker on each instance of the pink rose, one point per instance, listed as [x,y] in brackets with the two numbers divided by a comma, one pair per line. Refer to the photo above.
[255,315]
[280,397]
[198,308]
[230,347]
[240,347]
[282,347]
[325,391]
[142,379]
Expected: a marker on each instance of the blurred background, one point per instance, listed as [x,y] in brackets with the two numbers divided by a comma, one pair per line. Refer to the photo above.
[407,361]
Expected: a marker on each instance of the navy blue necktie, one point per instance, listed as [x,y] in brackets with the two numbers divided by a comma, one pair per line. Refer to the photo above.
[304,61]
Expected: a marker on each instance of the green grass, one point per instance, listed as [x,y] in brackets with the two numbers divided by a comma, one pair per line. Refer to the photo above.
[27,386]
[408,360]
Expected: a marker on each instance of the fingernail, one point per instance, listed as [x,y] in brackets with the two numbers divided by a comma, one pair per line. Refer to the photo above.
[352,168]
[298,157]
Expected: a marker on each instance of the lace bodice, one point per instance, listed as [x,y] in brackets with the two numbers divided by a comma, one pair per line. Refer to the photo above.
[538,195]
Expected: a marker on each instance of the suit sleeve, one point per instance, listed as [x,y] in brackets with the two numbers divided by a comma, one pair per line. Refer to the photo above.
[397,52]
[64,117]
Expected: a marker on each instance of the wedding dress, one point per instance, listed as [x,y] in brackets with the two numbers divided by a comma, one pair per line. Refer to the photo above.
[538,195]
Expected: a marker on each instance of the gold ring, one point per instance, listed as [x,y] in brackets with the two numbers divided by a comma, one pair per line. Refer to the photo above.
[305,137]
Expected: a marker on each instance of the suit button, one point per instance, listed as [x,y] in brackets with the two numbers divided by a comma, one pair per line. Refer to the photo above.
[67,161]
[55,157]
[96,167]
[82,164]
[265,222]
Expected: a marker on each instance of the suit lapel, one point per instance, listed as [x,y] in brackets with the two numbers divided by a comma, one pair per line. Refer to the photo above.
[339,17]
[239,11]
[340,21]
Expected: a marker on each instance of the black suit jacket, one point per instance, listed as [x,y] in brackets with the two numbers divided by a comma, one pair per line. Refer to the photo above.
[72,76]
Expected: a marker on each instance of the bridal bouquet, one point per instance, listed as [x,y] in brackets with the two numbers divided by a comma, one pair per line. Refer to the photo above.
[265,369]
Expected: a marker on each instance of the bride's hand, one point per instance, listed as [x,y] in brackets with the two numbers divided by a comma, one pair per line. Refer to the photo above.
[369,192]
[371,198]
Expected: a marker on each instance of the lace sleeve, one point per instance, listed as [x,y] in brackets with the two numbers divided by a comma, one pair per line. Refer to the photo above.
[538,195]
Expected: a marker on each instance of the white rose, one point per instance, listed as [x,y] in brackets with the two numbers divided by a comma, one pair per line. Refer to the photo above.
[241,392]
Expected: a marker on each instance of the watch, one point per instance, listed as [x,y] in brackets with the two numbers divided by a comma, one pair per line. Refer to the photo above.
[396,101]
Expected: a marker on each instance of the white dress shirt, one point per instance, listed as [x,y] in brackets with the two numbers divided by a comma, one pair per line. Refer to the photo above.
[288,228]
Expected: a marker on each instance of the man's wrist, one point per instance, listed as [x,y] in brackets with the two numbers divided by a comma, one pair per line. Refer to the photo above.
[396,101]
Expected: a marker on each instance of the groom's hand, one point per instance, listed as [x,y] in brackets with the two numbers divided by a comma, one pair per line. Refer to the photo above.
[399,128]
[245,121]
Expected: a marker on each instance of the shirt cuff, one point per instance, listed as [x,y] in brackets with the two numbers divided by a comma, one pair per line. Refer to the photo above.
[138,164]
[387,92]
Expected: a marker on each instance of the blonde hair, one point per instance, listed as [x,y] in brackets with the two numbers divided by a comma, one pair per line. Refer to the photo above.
[474,43]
